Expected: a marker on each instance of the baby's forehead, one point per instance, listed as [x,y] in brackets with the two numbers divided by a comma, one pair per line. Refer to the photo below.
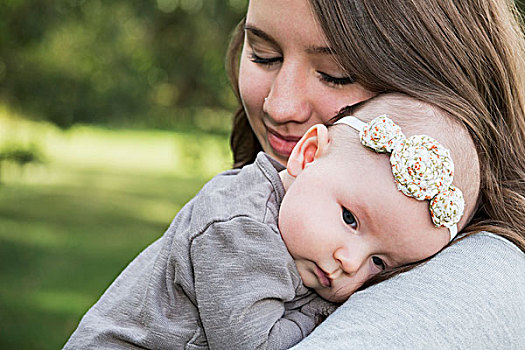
[416,117]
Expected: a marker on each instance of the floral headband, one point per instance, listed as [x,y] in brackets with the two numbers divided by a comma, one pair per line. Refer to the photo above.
[422,167]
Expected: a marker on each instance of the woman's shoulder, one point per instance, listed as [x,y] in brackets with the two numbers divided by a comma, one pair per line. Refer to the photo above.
[480,265]
[483,256]
[489,248]
[486,240]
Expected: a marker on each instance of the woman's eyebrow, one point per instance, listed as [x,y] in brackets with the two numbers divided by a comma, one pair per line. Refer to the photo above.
[314,50]
[323,50]
[261,34]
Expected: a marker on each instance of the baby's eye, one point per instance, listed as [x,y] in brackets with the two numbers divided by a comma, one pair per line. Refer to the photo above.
[379,263]
[349,218]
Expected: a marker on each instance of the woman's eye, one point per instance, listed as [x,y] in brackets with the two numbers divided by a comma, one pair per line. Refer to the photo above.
[264,61]
[379,263]
[349,218]
[334,80]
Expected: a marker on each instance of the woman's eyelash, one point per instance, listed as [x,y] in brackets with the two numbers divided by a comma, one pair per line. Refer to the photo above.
[266,61]
[336,81]
[325,77]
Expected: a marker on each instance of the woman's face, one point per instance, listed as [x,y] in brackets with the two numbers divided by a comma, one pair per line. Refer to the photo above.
[288,79]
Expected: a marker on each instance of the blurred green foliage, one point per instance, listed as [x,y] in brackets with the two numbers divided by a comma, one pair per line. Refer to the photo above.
[20,155]
[151,63]
[68,226]
[131,62]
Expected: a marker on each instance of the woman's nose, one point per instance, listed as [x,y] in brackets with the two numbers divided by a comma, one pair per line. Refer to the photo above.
[288,100]
[350,260]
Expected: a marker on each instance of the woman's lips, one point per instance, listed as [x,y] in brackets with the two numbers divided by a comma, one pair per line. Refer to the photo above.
[282,145]
[323,277]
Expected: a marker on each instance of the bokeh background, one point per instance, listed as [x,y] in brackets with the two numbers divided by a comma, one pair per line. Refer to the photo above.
[113,114]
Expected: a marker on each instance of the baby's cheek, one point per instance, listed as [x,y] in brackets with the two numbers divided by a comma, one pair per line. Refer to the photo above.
[289,227]
[306,274]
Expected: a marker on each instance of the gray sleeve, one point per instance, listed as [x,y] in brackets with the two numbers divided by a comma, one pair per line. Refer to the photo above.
[245,285]
[117,320]
[470,296]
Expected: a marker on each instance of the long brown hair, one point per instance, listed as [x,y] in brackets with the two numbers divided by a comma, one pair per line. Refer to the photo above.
[464,56]
[243,142]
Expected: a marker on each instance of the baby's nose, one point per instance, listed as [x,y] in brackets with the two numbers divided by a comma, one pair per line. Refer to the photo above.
[350,260]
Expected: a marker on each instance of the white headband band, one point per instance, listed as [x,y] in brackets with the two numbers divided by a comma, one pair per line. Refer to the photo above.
[422,167]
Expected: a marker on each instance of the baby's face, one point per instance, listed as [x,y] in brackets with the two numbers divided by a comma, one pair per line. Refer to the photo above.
[343,220]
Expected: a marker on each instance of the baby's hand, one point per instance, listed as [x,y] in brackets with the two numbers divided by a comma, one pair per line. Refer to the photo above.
[319,309]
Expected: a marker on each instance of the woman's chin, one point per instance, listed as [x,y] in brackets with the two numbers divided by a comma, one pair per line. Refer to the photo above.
[283,159]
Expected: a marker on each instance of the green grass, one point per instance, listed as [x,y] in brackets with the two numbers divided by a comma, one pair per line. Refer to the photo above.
[70,225]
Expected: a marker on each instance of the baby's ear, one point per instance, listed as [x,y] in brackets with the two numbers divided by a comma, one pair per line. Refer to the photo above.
[310,147]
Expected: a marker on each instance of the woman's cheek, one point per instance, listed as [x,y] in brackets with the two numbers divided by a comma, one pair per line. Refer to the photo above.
[252,86]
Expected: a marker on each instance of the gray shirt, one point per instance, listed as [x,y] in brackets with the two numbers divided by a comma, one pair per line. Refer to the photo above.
[220,277]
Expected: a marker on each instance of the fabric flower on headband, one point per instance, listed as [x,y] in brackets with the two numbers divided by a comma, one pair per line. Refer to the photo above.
[380,134]
[422,167]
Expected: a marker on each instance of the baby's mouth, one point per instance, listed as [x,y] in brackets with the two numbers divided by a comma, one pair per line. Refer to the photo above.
[323,277]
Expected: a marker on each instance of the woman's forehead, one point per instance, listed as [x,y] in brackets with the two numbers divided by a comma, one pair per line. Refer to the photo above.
[286,20]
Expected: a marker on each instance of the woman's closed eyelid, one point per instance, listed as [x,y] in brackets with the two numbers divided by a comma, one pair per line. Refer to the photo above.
[256,43]
[335,80]
[261,54]
[270,58]
[264,61]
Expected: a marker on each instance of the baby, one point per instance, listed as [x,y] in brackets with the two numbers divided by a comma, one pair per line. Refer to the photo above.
[350,213]
[231,271]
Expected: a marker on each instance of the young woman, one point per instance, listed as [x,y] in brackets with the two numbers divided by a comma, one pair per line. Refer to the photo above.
[294,63]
